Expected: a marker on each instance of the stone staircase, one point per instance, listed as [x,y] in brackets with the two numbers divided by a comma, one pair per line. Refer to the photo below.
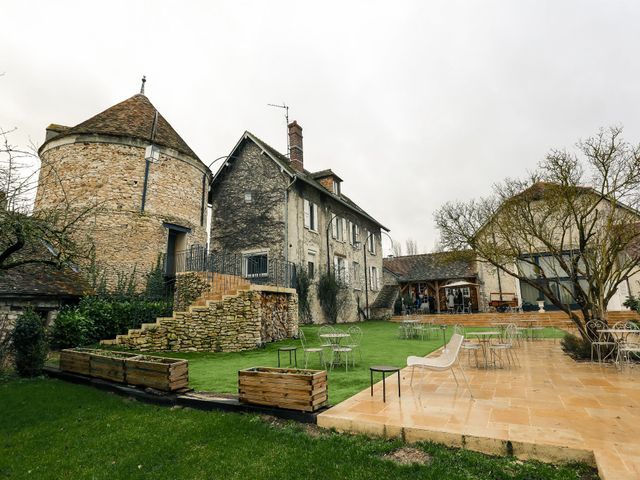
[387,297]
[220,286]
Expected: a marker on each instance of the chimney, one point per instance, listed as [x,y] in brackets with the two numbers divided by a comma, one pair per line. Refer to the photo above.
[54,130]
[295,146]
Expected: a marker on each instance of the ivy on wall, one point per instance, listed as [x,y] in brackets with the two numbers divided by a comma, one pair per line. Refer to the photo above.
[189,287]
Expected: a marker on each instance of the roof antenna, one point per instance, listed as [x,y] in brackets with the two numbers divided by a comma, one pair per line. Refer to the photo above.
[144,79]
[286,116]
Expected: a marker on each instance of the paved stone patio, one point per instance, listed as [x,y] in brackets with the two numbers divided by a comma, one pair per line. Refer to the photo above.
[549,408]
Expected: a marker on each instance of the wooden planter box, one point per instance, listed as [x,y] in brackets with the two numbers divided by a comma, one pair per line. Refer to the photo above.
[157,372]
[76,360]
[296,389]
[110,365]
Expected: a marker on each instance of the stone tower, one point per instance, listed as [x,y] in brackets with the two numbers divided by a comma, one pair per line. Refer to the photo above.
[150,186]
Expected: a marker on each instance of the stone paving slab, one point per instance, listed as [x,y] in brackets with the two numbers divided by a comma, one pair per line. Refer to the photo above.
[550,408]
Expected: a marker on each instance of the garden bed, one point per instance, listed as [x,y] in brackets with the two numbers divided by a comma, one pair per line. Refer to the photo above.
[109,365]
[168,374]
[296,389]
[76,360]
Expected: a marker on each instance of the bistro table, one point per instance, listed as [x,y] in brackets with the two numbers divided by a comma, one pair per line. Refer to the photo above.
[484,338]
[619,336]
[384,369]
[335,339]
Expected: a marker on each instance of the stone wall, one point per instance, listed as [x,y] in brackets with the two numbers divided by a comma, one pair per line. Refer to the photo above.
[237,322]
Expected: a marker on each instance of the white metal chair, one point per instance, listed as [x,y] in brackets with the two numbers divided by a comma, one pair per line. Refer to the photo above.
[355,340]
[599,340]
[444,362]
[468,346]
[307,350]
[630,344]
[505,346]
[324,342]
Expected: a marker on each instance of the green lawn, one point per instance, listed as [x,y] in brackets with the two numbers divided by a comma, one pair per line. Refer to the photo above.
[218,372]
[55,430]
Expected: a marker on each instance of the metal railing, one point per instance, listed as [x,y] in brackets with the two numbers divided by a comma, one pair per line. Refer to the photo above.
[254,268]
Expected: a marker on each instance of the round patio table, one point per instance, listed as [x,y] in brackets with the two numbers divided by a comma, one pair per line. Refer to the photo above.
[484,338]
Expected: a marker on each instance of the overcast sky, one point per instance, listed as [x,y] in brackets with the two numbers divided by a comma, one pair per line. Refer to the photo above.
[411,103]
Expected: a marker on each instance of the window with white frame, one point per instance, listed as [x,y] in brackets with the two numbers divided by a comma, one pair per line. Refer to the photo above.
[373,278]
[354,233]
[336,187]
[338,227]
[311,216]
[255,264]
[372,243]
[356,275]
[340,267]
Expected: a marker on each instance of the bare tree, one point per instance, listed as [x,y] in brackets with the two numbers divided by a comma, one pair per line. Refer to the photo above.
[570,230]
[412,246]
[397,249]
[50,237]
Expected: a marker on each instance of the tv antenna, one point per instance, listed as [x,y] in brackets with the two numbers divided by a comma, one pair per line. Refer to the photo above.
[286,116]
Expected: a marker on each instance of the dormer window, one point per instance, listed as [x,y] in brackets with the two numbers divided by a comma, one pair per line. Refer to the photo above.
[336,187]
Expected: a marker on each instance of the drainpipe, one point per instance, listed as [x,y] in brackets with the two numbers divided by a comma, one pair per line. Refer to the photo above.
[286,218]
[148,162]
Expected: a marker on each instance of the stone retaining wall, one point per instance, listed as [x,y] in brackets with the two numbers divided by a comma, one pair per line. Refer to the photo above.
[243,321]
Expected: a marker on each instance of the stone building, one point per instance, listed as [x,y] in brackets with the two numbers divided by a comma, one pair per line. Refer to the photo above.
[267,207]
[433,278]
[149,187]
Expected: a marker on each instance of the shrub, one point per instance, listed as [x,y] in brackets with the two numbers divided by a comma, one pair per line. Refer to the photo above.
[303,283]
[71,329]
[115,315]
[29,344]
[6,333]
[333,296]
[633,303]
[576,347]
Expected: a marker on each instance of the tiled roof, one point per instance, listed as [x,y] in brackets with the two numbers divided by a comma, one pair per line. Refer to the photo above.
[131,118]
[41,280]
[432,266]
[307,177]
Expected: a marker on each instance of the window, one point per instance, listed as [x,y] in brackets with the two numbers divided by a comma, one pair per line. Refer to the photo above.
[310,216]
[373,278]
[311,263]
[545,269]
[356,275]
[248,197]
[372,243]
[338,227]
[340,269]
[354,233]
[336,187]
[255,265]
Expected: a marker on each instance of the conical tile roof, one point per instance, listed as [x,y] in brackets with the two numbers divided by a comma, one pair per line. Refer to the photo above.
[132,118]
